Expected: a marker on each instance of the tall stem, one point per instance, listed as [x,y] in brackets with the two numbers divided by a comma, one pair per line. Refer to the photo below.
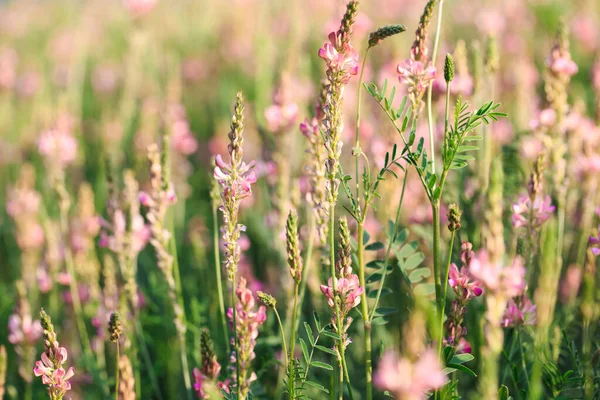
[307,265]
[345,366]
[291,365]
[435,206]
[523,361]
[364,305]
[284,345]
[217,255]
[235,337]
[117,373]
[357,136]
[444,285]
[430,121]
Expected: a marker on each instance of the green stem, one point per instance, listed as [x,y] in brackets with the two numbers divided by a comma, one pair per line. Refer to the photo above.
[435,206]
[357,136]
[291,366]
[220,288]
[345,365]
[307,265]
[523,362]
[444,284]
[389,247]
[179,293]
[117,373]
[235,336]
[364,304]
[139,329]
[430,88]
[282,335]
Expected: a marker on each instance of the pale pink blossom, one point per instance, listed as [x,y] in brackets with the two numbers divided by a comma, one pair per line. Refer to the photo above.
[23,329]
[569,285]
[519,311]
[340,57]
[408,380]
[58,147]
[595,243]
[139,7]
[495,277]
[562,65]
[462,283]
[237,182]
[531,214]
[281,117]
[416,75]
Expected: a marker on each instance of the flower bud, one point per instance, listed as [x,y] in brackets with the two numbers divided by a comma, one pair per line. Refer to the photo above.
[454,215]
[449,68]
[267,299]
[115,327]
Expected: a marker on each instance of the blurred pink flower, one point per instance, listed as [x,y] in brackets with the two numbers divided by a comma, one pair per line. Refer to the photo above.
[105,79]
[139,7]
[519,312]
[595,243]
[533,215]
[237,183]
[569,285]
[416,75]
[562,65]
[508,280]
[409,380]
[281,117]
[58,147]
[23,329]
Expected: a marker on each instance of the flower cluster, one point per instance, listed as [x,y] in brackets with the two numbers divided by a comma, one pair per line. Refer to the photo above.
[528,213]
[126,379]
[58,146]
[466,289]
[508,280]
[410,380]
[235,179]
[247,319]
[342,63]
[519,311]
[282,114]
[343,292]
[50,367]
[210,366]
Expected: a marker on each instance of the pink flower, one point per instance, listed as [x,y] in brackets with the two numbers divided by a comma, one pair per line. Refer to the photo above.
[349,290]
[462,284]
[310,128]
[237,182]
[569,286]
[52,372]
[519,312]
[139,7]
[526,214]
[463,346]
[409,380]
[563,65]
[23,329]
[280,117]
[509,280]
[59,147]
[341,58]
[416,75]
[595,243]
[199,379]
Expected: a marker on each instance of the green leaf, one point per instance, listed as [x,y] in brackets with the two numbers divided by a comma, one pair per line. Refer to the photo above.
[320,364]
[304,350]
[419,274]
[413,261]
[317,320]
[463,368]
[380,320]
[375,246]
[332,335]
[309,333]
[366,238]
[466,148]
[461,358]
[325,349]
[407,249]
[503,393]
[424,289]
[316,386]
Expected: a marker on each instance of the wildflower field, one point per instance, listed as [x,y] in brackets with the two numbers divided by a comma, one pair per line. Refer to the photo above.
[317,199]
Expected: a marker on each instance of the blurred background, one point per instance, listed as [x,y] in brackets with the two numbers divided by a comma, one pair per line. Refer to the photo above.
[112,76]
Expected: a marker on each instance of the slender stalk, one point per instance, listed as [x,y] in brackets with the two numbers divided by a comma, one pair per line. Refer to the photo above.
[281,330]
[292,378]
[307,265]
[364,305]
[444,285]
[345,365]
[182,342]
[141,341]
[430,121]
[235,343]
[117,373]
[523,362]
[435,207]
[217,255]
[389,247]
[357,136]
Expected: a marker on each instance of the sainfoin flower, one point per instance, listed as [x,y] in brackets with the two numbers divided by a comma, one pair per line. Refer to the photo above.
[58,146]
[248,319]
[416,75]
[519,311]
[408,380]
[50,367]
[533,214]
[509,280]
[462,283]
[238,181]
[341,58]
